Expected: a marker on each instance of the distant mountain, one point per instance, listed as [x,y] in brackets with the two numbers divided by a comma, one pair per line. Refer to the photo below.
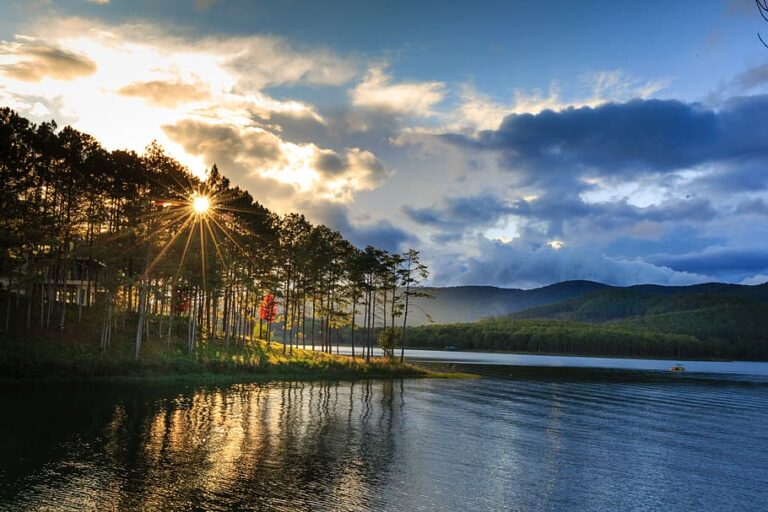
[712,311]
[613,304]
[703,321]
[471,303]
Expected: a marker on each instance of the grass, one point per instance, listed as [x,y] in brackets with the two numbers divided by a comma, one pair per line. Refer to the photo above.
[70,356]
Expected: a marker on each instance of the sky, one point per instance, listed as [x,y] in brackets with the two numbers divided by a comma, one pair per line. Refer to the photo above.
[515,144]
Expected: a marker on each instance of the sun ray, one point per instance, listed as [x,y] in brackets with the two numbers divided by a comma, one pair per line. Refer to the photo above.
[226,232]
[216,243]
[140,239]
[166,247]
[235,209]
[184,253]
[202,252]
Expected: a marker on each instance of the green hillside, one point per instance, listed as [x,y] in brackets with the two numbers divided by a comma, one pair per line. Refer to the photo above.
[705,321]
[557,336]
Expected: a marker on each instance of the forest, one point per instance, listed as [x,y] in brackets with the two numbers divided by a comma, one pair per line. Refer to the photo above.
[97,245]
[707,321]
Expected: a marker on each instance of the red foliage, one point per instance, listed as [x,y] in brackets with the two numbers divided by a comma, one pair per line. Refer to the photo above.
[268,308]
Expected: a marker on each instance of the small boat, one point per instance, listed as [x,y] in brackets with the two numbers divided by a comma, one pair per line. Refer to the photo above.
[677,368]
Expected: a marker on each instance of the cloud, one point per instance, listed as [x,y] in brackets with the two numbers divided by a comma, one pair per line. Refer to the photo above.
[733,177]
[752,78]
[756,206]
[557,214]
[717,259]
[150,75]
[480,112]
[624,139]
[754,280]
[251,62]
[264,61]
[462,213]
[165,94]
[100,2]
[32,60]
[519,264]
[379,233]
[593,159]
[377,91]
[248,152]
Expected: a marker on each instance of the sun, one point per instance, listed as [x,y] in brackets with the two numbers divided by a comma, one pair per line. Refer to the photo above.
[201,204]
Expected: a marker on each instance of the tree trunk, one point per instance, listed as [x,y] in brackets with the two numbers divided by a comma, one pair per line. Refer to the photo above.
[139,327]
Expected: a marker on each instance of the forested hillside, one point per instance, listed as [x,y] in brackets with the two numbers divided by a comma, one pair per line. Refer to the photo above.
[709,321]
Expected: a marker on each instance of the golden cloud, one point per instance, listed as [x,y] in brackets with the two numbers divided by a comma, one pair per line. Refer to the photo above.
[31,60]
[249,152]
[165,94]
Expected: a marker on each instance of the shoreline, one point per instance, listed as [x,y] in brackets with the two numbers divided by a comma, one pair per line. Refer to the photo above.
[48,362]
[407,371]
[601,356]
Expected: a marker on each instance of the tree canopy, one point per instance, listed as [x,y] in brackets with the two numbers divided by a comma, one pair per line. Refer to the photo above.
[152,248]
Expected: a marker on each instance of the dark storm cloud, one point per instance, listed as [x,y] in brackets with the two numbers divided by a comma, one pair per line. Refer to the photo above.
[626,139]
[678,239]
[714,260]
[379,234]
[485,210]
[461,212]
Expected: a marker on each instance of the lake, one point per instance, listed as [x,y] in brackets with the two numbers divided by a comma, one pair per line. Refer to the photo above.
[546,439]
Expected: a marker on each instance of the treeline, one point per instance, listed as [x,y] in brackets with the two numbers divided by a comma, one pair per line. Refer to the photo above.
[155,252]
[555,337]
[622,303]
[622,322]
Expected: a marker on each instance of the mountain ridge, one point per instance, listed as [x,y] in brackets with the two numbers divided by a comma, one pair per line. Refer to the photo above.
[470,303]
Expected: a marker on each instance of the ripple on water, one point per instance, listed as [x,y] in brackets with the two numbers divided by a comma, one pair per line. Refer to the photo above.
[581,442]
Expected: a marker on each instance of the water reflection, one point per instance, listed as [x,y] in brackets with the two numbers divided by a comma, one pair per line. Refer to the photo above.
[552,442]
[293,446]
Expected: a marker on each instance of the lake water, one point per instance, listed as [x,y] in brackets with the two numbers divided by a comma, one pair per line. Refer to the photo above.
[571,440]
[550,361]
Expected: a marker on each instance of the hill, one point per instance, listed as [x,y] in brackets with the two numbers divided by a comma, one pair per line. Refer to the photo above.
[471,303]
[712,320]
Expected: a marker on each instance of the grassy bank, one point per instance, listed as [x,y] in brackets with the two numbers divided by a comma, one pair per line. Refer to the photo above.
[63,358]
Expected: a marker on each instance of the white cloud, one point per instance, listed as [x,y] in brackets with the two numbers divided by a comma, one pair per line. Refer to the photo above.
[755,279]
[122,83]
[516,264]
[480,112]
[378,91]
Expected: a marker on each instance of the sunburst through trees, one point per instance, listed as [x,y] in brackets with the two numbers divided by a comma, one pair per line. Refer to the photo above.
[152,249]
